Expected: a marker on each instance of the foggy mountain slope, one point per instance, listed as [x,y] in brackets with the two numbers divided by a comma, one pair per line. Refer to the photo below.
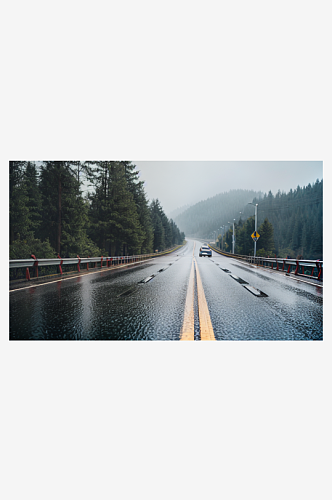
[175,213]
[202,219]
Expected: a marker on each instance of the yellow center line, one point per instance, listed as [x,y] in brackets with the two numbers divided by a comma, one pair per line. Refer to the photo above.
[187,331]
[205,325]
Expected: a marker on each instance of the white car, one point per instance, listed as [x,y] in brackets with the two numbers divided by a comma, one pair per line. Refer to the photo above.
[205,251]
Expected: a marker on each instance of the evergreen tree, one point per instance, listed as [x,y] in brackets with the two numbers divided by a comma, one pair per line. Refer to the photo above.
[244,242]
[19,220]
[124,225]
[166,232]
[159,243]
[64,214]
[136,188]
[34,198]
[266,240]
[115,224]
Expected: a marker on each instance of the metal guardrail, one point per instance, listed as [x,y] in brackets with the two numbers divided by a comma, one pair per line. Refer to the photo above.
[34,264]
[298,267]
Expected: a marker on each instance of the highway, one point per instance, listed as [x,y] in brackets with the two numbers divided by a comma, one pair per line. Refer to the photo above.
[175,297]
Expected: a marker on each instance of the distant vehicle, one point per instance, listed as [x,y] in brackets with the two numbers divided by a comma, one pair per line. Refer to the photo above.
[205,251]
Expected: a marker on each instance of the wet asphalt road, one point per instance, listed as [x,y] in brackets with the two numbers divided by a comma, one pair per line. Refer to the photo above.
[124,305]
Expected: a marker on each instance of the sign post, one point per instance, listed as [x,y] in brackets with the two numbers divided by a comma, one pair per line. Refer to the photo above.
[255,237]
[255,232]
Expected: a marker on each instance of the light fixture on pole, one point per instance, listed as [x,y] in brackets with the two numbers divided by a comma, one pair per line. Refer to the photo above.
[255,205]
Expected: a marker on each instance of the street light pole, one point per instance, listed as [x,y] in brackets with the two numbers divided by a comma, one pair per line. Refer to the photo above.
[255,205]
[233,235]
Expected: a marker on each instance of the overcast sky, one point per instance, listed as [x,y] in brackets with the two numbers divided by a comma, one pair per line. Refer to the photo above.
[178,183]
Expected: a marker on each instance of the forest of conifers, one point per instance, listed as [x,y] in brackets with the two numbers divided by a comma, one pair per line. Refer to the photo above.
[50,214]
[296,219]
[289,224]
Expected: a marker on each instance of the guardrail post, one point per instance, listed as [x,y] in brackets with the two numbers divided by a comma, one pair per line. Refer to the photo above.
[78,264]
[60,268]
[27,274]
[297,267]
[283,265]
[87,264]
[35,265]
[277,265]
[320,270]
[101,261]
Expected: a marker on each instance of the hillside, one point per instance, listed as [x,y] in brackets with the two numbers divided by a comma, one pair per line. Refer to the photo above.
[175,213]
[202,219]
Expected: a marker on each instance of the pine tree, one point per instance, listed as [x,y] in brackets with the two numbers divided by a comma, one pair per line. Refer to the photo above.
[136,187]
[64,215]
[19,220]
[125,228]
[115,224]
[34,198]
[159,243]
[244,242]
[266,239]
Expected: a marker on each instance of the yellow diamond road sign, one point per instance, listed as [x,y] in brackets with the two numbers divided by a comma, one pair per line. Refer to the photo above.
[255,236]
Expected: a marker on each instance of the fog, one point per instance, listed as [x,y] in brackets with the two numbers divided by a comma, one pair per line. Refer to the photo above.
[179,183]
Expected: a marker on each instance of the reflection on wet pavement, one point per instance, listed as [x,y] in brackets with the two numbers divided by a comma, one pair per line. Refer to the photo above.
[148,303]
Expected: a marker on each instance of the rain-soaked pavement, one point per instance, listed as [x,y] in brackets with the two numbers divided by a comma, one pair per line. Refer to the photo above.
[126,305]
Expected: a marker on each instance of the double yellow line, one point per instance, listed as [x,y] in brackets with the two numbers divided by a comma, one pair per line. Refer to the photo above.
[205,325]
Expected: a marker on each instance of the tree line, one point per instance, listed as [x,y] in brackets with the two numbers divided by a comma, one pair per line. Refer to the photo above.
[289,225]
[244,244]
[50,214]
